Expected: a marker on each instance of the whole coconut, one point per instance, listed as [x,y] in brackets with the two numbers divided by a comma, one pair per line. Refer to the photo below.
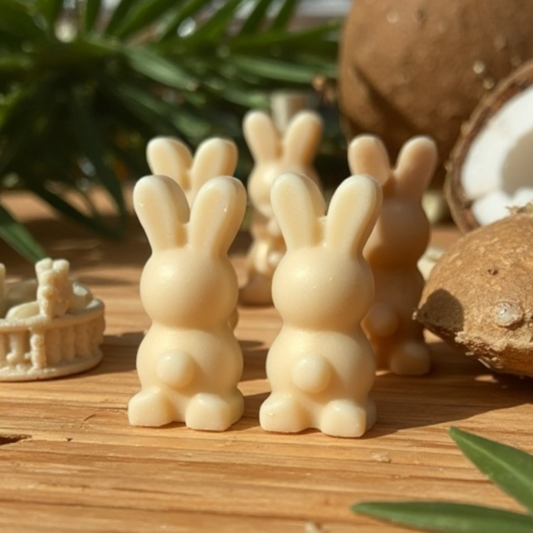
[421,66]
[479,296]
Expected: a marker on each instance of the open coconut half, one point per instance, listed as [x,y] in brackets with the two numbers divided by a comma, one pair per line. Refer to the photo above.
[491,167]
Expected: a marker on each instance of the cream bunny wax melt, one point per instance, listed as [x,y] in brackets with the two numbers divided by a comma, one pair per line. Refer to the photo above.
[393,250]
[168,156]
[321,366]
[273,155]
[189,363]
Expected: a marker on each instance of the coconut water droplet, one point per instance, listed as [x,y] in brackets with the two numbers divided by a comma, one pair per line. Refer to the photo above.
[507,314]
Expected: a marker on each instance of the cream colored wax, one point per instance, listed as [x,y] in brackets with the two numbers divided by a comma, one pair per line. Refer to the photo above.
[321,367]
[393,250]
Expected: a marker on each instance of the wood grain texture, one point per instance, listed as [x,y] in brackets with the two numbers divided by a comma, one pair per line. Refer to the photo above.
[69,460]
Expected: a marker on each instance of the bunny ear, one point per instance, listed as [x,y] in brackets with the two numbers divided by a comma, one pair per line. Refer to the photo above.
[416,165]
[261,136]
[367,155]
[169,157]
[298,205]
[303,137]
[214,157]
[352,214]
[162,210]
[217,214]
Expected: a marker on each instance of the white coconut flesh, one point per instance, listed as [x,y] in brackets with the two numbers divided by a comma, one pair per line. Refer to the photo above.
[498,170]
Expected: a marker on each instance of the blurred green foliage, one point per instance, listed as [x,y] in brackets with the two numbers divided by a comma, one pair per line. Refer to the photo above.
[84,87]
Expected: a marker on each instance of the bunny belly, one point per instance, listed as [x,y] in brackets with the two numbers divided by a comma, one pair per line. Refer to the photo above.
[215,355]
[346,358]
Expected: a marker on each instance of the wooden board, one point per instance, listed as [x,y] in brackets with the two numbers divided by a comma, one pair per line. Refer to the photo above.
[70,461]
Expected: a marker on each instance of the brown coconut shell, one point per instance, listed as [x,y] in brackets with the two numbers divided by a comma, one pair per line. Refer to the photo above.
[421,66]
[479,296]
[460,205]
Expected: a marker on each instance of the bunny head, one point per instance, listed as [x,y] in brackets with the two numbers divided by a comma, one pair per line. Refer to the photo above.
[323,282]
[170,157]
[275,154]
[402,231]
[189,281]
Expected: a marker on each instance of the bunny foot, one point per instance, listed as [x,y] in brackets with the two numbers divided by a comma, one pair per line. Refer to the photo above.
[345,418]
[411,359]
[257,291]
[283,414]
[150,407]
[211,412]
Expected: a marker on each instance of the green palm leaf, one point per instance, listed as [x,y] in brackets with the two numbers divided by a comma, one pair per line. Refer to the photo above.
[443,517]
[18,237]
[509,468]
[85,101]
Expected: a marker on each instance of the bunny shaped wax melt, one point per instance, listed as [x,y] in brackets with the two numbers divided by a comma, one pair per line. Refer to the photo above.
[321,366]
[273,156]
[170,157]
[398,241]
[189,362]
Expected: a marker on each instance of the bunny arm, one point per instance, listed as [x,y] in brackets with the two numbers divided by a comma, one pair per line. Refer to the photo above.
[170,157]
[381,320]
[262,136]
[217,214]
[415,167]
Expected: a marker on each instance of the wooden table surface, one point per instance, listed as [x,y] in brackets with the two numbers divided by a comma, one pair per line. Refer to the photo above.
[69,461]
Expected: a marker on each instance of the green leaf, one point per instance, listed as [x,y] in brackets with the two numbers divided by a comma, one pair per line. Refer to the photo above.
[441,517]
[159,69]
[217,24]
[182,12]
[18,237]
[118,14]
[50,10]
[314,38]
[142,17]
[509,468]
[17,19]
[274,69]
[93,147]
[284,15]
[94,223]
[155,110]
[91,14]
[13,64]
[256,18]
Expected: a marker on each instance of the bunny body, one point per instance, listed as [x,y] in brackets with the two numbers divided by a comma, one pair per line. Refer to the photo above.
[398,241]
[214,157]
[273,155]
[189,363]
[321,366]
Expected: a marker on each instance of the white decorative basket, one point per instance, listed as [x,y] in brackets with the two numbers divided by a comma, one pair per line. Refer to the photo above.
[52,326]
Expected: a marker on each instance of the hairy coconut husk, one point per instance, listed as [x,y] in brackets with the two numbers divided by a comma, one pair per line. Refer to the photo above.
[479,296]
